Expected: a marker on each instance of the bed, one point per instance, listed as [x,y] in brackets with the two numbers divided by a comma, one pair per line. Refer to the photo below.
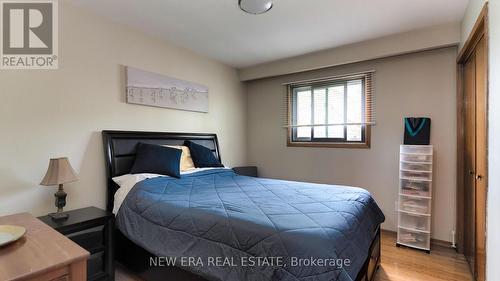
[282,228]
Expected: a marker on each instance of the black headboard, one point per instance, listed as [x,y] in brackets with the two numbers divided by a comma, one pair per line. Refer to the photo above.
[120,148]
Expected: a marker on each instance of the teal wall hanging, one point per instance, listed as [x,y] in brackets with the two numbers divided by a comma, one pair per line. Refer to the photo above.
[417,130]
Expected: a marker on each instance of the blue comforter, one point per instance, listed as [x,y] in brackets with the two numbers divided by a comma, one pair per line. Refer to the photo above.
[224,226]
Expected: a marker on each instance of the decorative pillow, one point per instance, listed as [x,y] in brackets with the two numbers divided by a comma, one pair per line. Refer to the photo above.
[186,160]
[202,156]
[157,159]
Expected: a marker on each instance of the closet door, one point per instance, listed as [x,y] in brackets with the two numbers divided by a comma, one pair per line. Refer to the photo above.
[481,160]
[475,159]
[472,155]
[469,158]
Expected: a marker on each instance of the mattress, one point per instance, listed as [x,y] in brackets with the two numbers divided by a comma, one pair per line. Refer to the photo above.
[225,226]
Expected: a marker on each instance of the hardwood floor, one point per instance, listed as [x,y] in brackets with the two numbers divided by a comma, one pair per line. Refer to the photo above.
[399,264]
[403,264]
[122,274]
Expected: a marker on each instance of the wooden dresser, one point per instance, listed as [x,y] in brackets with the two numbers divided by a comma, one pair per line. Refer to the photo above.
[43,254]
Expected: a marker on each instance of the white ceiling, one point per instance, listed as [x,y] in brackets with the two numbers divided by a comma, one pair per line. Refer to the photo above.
[220,30]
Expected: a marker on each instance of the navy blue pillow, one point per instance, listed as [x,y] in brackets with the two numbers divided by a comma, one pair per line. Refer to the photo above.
[157,159]
[202,156]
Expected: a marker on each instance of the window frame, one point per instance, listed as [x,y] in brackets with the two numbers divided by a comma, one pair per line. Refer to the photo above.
[292,139]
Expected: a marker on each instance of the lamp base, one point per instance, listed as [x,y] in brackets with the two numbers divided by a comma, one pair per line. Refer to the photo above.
[60,197]
[59,216]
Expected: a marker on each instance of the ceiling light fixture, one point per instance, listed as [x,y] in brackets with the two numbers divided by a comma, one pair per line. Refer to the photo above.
[255,6]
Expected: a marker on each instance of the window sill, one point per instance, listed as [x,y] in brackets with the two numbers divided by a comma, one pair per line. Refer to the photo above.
[328,144]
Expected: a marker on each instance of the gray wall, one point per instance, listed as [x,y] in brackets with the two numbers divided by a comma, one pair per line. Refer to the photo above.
[397,44]
[420,84]
[50,113]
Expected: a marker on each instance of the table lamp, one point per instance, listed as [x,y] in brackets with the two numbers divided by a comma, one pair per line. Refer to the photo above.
[59,173]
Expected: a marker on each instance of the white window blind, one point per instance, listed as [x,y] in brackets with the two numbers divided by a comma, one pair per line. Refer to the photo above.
[335,109]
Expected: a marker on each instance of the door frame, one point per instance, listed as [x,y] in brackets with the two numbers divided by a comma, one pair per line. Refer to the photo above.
[480,30]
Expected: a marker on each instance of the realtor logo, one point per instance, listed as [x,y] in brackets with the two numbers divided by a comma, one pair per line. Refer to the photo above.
[29,34]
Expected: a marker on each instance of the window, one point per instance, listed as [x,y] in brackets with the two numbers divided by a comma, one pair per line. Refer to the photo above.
[336,112]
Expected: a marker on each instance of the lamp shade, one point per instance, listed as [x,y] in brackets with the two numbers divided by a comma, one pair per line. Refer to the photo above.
[59,172]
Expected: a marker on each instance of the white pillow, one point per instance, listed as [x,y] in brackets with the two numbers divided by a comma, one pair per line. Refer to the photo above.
[126,183]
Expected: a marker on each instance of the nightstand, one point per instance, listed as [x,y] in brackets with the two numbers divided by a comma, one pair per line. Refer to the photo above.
[250,171]
[92,229]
